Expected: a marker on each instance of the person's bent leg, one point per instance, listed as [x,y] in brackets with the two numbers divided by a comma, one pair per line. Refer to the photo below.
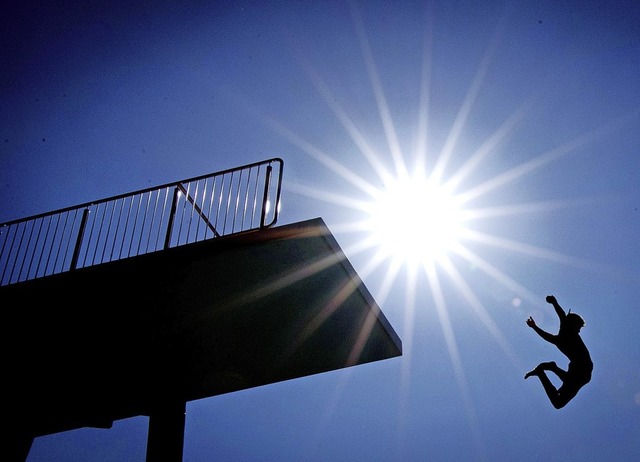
[553,367]
[552,392]
[566,393]
[535,371]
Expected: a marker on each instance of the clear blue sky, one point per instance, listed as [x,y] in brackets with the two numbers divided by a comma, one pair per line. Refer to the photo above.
[538,103]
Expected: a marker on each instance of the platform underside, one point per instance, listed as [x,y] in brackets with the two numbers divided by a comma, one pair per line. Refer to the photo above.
[125,338]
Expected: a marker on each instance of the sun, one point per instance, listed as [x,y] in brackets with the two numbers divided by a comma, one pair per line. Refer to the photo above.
[415,220]
[419,216]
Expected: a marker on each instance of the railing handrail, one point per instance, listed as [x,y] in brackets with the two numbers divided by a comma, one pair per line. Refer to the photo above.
[146,190]
[35,246]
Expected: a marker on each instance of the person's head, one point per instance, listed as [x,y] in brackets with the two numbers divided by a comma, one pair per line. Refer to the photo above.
[575,321]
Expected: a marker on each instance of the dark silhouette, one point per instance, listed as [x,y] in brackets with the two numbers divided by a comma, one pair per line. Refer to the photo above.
[570,343]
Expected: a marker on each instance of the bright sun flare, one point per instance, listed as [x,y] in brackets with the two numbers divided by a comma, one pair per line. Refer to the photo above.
[418,220]
[415,220]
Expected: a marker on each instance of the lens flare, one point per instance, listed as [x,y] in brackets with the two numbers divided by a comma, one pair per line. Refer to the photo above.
[415,220]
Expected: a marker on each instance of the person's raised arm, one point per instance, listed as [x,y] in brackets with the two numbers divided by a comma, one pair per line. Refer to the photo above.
[559,311]
[544,334]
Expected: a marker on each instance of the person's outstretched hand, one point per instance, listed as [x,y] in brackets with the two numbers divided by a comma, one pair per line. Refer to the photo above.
[551,299]
[530,322]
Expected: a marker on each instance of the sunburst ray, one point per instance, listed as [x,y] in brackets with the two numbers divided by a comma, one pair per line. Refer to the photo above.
[378,91]
[482,313]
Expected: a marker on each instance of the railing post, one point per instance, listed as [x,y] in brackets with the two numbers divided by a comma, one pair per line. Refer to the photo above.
[172,213]
[265,198]
[76,251]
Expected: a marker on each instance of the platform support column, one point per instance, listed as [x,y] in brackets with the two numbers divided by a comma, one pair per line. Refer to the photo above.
[165,440]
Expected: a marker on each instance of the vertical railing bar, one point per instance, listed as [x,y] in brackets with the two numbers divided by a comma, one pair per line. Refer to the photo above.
[143,245]
[26,249]
[39,220]
[113,203]
[197,211]
[195,205]
[243,205]
[144,219]
[100,229]
[43,246]
[213,195]
[93,225]
[62,226]
[83,220]
[4,246]
[126,227]
[99,221]
[127,218]
[17,248]
[238,193]
[250,198]
[115,236]
[15,262]
[277,194]
[119,203]
[237,198]
[24,230]
[153,219]
[205,191]
[29,248]
[107,237]
[4,229]
[117,230]
[53,242]
[101,241]
[206,198]
[136,215]
[76,251]
[135,222]
[190,210]
[255,196]
[220,202]
[265,197]
[70,238]
[172,213]
[46,239]
[184,207]
[164,208]
[10,263]
[66,250]
[193,202]
[246,199]
[107,221]
[229,196]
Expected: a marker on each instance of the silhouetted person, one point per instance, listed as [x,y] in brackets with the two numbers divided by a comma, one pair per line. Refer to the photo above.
[569,342]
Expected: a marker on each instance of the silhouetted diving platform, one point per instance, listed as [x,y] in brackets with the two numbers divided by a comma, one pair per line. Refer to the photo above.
[144,335]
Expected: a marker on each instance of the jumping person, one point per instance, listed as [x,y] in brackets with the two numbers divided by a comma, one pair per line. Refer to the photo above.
[569,342]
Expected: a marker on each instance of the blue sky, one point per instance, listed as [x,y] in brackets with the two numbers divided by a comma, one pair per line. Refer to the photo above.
[537,103]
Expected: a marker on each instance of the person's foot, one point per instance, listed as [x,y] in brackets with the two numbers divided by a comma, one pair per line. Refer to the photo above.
[549,366]
[535,371]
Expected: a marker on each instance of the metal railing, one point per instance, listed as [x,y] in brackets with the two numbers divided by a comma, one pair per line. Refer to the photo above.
[218,204]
